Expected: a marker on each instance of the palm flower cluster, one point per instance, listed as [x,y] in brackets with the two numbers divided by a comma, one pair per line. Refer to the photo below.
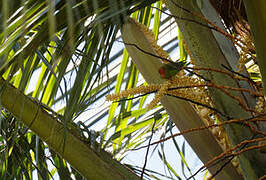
[180,85]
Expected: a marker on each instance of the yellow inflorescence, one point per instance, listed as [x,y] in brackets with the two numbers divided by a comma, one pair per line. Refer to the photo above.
[150,37]
[192,92]
[161,92]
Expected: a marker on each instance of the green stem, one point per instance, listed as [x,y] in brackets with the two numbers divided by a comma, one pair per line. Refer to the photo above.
[91,164]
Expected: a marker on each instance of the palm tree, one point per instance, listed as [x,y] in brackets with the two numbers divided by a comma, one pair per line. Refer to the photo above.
[58,60]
